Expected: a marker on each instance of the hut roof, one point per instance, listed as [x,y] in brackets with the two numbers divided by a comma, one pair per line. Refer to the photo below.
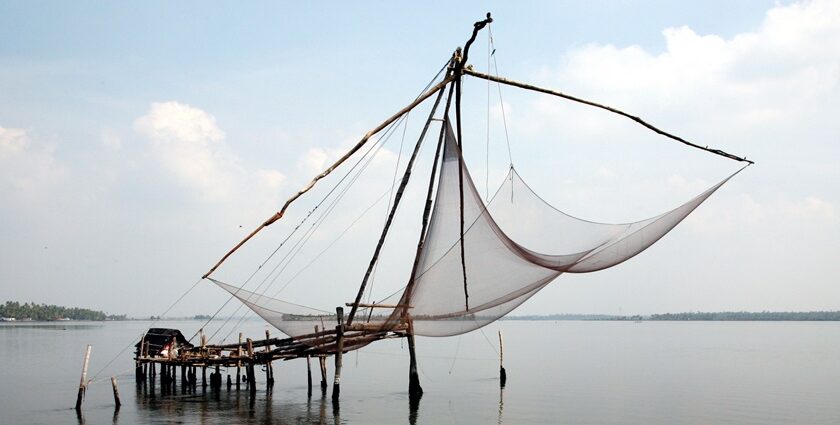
[159,337]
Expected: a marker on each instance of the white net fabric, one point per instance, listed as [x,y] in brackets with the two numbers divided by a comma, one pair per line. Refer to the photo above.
[454,293]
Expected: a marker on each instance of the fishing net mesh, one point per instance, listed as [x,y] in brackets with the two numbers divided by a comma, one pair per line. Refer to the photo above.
[510,249]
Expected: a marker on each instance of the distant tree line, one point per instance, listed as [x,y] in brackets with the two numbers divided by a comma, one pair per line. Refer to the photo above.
[744,315]
[44,312]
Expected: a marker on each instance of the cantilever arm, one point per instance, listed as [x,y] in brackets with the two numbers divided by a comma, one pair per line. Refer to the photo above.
[468,71]
[279,214]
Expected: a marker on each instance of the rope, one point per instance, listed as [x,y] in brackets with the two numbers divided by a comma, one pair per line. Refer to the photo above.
[302,241]
[299,246]
[151,322]
[501,101]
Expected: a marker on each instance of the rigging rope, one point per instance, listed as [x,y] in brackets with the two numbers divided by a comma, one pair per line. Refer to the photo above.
[298,245]
[499,86]
[382,138]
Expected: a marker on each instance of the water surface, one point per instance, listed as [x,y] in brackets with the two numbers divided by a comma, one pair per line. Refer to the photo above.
[565,372]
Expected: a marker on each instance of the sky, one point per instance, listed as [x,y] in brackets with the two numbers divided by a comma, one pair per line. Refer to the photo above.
[139,142]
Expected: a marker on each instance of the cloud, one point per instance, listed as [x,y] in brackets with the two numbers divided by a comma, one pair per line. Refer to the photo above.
[110,139]
[190,144]
[29,171]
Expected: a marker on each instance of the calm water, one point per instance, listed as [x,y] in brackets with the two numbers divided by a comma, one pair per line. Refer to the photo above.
[558,372]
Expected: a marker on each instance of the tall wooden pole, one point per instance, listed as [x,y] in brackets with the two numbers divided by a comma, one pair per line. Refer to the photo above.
[308,377]
[322,361]
[269,369]
[82,383]
[394,206]
[339,334]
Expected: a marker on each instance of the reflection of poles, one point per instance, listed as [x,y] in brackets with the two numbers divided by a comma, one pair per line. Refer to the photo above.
[502,372]
[501,404]
[413,409]
[414,388]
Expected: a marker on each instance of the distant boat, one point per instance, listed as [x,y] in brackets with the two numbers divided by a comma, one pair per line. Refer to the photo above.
[7,319]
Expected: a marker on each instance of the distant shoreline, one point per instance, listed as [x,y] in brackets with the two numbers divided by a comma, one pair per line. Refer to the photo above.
[724,316]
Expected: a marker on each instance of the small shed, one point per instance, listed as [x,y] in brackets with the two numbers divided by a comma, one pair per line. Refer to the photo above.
[160,342]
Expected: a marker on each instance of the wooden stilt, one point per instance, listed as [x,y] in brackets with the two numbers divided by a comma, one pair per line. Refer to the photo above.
[229,383]
[117,403]
[502,372]
[323,362]
[216,379]
[339,335]
[252,381]
[82,383]
[239,362]
[308,377]
[204,377]
[269,369]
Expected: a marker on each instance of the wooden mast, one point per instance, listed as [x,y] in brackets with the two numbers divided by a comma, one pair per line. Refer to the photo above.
[397,198]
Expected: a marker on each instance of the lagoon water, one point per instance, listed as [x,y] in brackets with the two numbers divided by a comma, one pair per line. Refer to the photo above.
[564,372]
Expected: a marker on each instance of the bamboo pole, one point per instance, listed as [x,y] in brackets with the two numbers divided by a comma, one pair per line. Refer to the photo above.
[332,167]
[82,383]
[308,377]
[339,332]
[252,381]
[239,362]
[394,207]
[117,403]
[638,120]
[322,361]
[269,369]
[502,372]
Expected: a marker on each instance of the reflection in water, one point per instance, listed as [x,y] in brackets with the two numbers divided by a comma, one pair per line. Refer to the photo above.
[214,406]
[501,404]
[413,408]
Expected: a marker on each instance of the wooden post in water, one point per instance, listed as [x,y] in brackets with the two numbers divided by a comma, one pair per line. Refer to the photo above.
[138,366]
[82,385]
[252,381]
[117,403]
[502,372]
[203,377]
[239,362]
[269,369]
[322,360]
[308,377]
[339,348]
[414,388]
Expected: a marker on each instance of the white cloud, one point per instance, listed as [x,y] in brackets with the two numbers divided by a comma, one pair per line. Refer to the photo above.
[110,139]
[28,171]
[189,143]
[13,141]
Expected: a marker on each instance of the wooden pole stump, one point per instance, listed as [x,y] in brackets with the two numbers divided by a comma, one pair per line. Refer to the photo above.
[502,372]
[117,403]
[82,383]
